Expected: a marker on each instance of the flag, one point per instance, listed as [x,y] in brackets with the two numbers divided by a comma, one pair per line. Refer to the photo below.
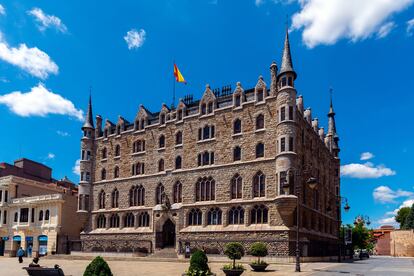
[177,75]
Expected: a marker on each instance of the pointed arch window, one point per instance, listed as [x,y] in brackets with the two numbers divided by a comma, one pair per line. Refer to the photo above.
[117,150]
[101,200]
[178,192]
[161,165]
[161,142]
[203,109]
[259,214]
[236,186]
[40,215]
[137,196]
[178,162]
[47,214]
[179,138]
[159,194]
[115,198]
[205,189]
[237,153]
[101,221]
[103,174]
[143,219]
[236,215]
[259,150]
[129,220]
[259,122]
[237,128]
[114,221]
[214,216]
[194,217]
[259,185]
[116,172]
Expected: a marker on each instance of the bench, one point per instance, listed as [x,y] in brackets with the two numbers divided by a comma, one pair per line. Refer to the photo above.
[44,271]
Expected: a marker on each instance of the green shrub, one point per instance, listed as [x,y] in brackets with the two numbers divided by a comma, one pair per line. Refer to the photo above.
[258,249]
[235,251]
[198,264]
[98,267]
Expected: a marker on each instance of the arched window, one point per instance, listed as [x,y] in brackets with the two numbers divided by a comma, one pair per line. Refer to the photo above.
[259,185]
[237,126]
[214,216]
[116,172]
[179,138]
[114,221]
[138,168]
[101,221]
[205,189]
[103,174]
[259,150]
[47,215]
[236,215]
[236,186]
[138,146]
[129,220]
[237,153]
[104,153]
[206,132]
[194,217]
[137,196]
[178,190]
[101,200]
[143,219]
[161,165]
[178,162]
[161,142]
[203,109]
[115,198]
[259,95]
[258,215]
[41,215]
[159,194]
[260,121]
[117,150]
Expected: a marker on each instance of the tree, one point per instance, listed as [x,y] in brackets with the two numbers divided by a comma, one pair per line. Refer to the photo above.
[258,249]
[409,221]
[234,251]
[402,215]
[361,236]
[98,267]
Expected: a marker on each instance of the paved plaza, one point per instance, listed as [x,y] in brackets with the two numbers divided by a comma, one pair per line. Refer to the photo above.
[374,266]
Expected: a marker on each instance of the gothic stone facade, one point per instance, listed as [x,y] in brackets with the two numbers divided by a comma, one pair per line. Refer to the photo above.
[224,168]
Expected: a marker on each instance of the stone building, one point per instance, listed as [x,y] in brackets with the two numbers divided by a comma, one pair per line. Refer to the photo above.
[209,171]
[35,209]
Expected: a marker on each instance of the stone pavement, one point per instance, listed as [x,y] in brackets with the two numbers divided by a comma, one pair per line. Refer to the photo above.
[11,267]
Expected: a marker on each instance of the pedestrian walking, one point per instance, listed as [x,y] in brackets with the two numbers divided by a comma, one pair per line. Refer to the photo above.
[20,254]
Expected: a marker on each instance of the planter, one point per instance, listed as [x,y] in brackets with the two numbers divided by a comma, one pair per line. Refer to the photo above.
[212,274]
[259,267]
[233,272]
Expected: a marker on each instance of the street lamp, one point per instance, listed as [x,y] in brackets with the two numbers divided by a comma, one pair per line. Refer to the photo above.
[312,183]
[346,208]
[363,219]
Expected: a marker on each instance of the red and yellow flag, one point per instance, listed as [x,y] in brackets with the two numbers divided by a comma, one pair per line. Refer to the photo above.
[177,75]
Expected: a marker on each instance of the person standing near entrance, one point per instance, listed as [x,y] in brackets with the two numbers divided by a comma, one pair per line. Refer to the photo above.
[29,251]
[20,254]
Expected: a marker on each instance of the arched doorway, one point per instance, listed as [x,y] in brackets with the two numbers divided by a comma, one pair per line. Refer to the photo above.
[168,234]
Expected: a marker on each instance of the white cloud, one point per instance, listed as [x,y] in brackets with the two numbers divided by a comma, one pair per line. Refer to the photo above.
[385,194]
[325,22]
[39,101]
[390,216]
[31,60]
[367,170]
[410,27]
[386,29]
[46,21]
[2,10]
[62,133]
[135,39]
[76,168]
[50,156]
[389,220]
[366,156]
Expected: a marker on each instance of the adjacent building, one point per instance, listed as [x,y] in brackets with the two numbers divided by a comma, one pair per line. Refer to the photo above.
[382,238]
[36,210]
[230,166]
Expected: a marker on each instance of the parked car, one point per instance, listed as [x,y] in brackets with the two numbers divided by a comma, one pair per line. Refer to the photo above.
[361,254]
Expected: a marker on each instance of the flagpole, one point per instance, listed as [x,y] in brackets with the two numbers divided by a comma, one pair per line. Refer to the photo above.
[173,97]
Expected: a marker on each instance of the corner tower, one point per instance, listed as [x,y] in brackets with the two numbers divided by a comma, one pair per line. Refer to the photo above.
[86,163]
[286,120]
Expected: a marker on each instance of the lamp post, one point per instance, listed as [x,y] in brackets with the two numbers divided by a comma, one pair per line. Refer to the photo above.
[346,208]
[312,183]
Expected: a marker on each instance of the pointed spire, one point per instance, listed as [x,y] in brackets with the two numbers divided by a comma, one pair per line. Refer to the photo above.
[332,135]
[287,65]
[88,119]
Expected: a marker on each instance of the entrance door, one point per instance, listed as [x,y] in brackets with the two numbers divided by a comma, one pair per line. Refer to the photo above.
[168,234]
[2,247]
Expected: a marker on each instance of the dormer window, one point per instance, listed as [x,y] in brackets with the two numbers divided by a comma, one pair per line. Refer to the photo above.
[237,100]
[180,115]
[203,109]
[106,133]
[259,95]
[162,119]
[210,107]
[118,130]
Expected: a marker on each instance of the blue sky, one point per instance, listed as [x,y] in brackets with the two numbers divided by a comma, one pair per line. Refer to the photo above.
[51,52]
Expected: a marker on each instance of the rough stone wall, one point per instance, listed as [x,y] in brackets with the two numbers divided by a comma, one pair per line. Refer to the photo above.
[402,243]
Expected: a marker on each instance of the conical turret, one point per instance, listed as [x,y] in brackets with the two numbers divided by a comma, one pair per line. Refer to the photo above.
[89,116]
[287,65]
[332,135]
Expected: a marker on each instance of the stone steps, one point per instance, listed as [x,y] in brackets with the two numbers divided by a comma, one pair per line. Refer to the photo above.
[165,253]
